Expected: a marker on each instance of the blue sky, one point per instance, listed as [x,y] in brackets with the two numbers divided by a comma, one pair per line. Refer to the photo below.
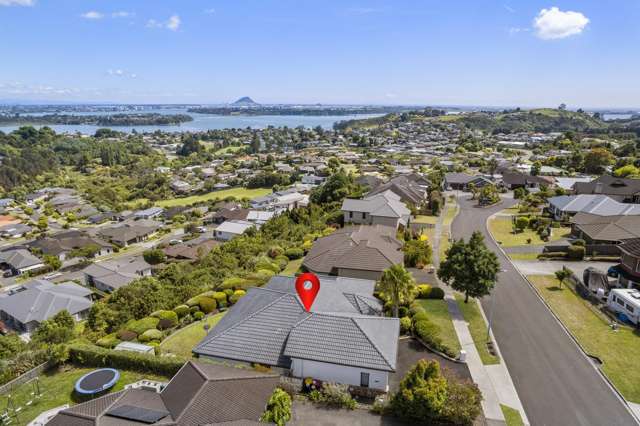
[528,53]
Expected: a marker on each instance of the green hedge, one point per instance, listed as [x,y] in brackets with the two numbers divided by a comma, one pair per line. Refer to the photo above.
[294,253]
[150,335]
[94,356]
[181,310]
[142,325]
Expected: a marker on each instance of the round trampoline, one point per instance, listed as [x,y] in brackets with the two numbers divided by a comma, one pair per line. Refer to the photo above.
[97,381]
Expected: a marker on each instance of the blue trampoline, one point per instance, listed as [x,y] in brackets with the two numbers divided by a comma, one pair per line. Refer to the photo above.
[97,381]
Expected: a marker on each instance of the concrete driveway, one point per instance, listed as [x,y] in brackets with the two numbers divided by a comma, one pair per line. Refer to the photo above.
[549,267]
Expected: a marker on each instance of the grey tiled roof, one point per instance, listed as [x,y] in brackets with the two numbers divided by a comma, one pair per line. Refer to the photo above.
[359,341]
[269,326]
[599,204]
[19,258]
[385,204]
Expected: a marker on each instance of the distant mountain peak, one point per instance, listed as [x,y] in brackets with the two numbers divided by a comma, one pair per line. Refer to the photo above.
[245,100]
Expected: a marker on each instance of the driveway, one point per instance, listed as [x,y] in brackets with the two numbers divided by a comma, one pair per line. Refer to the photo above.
[549,267]
[306,413]
[555,382]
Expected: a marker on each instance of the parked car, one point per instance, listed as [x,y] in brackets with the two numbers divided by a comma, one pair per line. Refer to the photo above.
[175,242]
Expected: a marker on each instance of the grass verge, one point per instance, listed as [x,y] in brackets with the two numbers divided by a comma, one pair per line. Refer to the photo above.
[523,256]
[502,230]
[238,193]
[56,387]
[591,329]
[477,328]
[439,315]
[426,219]
[511,416]
[183,341]
[292,267]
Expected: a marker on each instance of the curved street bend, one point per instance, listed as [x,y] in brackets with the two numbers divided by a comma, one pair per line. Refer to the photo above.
[555,382]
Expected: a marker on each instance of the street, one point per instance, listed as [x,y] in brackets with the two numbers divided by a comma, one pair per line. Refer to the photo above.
[556,383]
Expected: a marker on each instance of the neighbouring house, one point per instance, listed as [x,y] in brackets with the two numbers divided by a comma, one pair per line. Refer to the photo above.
[356,252]
[192,249]
[150,213]
[130,232]
[463,181]
[200,393]
[25,307]
[260,217]
[412,188]
[280,201]
[384,208]
[626,303]
[564,207]
[369,181]
[312,179]
[19,261]
[231,229]
[224,214]
[65,243]
[620,189]
[110,275]
[342,339]
[180,186]
[567,183]
[6,220]
[605,230]
[512,180]
[33,198]
[629,268]
[6,202]
[14,231]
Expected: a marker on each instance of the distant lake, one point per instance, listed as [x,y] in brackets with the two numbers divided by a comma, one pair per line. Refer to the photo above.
[203,122]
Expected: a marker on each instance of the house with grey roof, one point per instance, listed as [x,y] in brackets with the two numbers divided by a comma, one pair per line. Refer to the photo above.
[620,189]
[355,251]
[61,245]
[384,208]
[564,207]
[25,307]
[110,275]
[16,230]
[200,393]
[605,230]
[463,181]
[130,231]
[411,188]
[230,229]
[342,339]
[19,261]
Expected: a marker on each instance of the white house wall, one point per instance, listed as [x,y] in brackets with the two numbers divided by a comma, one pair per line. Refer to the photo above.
[338,373]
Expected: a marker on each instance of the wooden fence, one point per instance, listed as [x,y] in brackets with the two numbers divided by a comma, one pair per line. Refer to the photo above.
[23,378]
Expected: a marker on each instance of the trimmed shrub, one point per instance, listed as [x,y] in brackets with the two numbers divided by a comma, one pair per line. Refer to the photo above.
[220,298]
[236,296]
[93,356]
[415,308]
[234,283]
[428,333]
[580,243]
[281,261]
[168,315]
[126,335]
[423,291]
[266,264]
[576,252]
[194,309]
[192,302]
[275,251]
[109,341]
[405,325]
[294,253]
[436,293]
[420,316]
[164,324]
[142,325]
[198,316]
[181,310]
[403,311]
[150,335]
[259,278]
[207,304]
[228,292]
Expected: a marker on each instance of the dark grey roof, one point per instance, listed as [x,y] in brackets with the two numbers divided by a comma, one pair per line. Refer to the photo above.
[19,258]
[608,228]
[631,247]
[41,299]
[260,327]
[608,185]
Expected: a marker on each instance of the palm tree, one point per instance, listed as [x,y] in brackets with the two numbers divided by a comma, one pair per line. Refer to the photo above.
[562,275]
[397,284]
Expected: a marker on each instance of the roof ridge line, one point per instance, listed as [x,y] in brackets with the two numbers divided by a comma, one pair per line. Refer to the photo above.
[372,343]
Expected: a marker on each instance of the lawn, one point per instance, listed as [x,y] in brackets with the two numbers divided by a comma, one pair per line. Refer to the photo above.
[292,267]
[501,228]
[426,219]
[591,329]
[511,416]
[523,256]
[229,150]
[56,387]
[238,193]
[439,314]
[183,341]
[477,328]
[450,213]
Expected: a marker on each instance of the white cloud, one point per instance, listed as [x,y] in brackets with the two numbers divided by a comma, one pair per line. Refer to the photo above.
[92,14]
[173,23]
[17,2]
[551,24]
[122,14]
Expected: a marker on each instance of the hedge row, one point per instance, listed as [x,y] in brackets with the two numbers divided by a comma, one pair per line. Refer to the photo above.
[93,356]
[426,291]
[427,331]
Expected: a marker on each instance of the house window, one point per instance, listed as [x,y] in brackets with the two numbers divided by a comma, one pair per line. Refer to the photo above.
[629,308]
[364,380]
[350,215]
[364,215]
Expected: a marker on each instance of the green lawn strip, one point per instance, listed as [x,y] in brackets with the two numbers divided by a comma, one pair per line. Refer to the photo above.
[238,193]
[511,416]
[292,267]
[450,214]
[56,387]
[501,228]
[439,315]
[183,341]
[228,150]
[444,245]
[426,219]
[591,329]
[523,256]
[477,328]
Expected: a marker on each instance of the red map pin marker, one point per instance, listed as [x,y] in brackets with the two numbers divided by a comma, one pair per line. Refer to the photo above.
[307,286]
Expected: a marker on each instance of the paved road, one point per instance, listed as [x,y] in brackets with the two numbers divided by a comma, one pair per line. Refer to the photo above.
[556,383]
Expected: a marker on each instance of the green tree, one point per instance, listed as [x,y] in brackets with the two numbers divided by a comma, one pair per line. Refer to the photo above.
[561,275]
[422,393]
[470,268]
[597,159]
[398,286]
[519,193]
[52,261]
[278,408]
[10,346]
[58,329]
[417,252]
[43,223]
[154,256]
[521,223]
